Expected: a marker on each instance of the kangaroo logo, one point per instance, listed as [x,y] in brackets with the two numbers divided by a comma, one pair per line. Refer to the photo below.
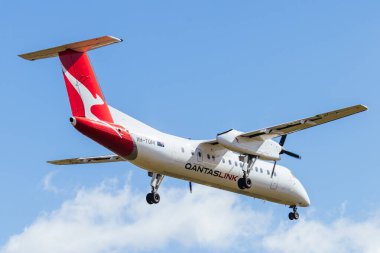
[87,98]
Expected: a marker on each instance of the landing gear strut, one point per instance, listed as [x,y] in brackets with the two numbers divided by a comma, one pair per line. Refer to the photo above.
[293,215]
[153,197]
[245,182]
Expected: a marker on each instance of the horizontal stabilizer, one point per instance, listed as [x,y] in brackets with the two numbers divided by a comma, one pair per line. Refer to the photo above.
[81,46]
[88,160]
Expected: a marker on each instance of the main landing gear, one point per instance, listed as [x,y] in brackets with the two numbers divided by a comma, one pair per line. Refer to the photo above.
[293,215]
[153,197]
[245,182]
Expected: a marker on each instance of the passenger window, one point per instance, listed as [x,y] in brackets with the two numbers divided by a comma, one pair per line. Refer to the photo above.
[208,156]
[241,165]
[257,170]
[192,152]
[213,158]
[229,161]
[274,174]
[261,170]
[223,160]
[183,150]
[235,164]
[268,172]
[199,154]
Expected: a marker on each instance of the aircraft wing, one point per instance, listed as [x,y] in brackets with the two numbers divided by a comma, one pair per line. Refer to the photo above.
[301,124]
[88,160]
[298,125]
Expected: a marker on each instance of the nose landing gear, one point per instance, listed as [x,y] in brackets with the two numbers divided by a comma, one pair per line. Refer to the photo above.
[153,197]
[293,215]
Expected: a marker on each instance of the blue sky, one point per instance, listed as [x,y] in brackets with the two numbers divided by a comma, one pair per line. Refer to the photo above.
[194,69]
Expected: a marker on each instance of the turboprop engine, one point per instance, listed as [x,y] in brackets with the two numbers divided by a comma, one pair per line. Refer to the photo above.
[265,149]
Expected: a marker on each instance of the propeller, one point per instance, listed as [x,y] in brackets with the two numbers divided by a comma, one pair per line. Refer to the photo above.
[284,151]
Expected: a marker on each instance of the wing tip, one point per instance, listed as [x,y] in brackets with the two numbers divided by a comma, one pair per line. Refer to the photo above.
[53,162]
[363,107]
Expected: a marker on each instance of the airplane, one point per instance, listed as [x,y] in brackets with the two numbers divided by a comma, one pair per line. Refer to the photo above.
[235,161]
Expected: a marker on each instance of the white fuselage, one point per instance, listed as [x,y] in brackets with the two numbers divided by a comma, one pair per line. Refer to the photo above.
[215,162]
[211,165]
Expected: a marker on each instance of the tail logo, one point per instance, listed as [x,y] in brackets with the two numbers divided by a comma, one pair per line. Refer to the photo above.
[87,98]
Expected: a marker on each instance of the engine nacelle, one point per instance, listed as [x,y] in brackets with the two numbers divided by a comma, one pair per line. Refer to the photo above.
[265,149]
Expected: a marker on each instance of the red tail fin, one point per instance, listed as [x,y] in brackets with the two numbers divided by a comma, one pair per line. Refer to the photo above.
[86,98]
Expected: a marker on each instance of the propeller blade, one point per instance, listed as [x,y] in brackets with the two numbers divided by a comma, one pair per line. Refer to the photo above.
[290,154]
[191,187]
[282,140]
[274,167]
[284,151]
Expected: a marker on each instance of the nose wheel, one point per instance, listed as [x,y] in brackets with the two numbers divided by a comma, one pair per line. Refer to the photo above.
[153,197]
[293,215]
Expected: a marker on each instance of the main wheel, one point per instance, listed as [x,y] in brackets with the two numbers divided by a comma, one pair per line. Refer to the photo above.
[241,183]
[296,215]
[247,182]
[155,198]
[291,216]
[149,198]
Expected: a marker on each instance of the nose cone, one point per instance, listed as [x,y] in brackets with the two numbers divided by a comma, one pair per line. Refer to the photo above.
[302,197]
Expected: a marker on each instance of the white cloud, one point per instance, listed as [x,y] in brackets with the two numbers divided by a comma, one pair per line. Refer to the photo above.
[112,218]
[109,218]
[342,235]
